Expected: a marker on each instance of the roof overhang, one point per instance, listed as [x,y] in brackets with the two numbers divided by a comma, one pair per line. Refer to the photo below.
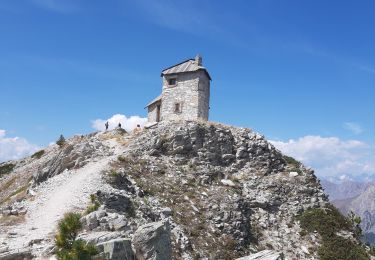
[187,66]
[155,100]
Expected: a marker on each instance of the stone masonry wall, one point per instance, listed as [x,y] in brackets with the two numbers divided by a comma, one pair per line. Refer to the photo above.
[152,112]
[193,102]
[203,96]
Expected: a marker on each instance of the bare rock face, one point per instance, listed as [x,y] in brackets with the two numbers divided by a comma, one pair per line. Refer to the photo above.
[115,202]
[212,144]
[71,156]
[152,241]
[264,255]
[21,254]
[117,249]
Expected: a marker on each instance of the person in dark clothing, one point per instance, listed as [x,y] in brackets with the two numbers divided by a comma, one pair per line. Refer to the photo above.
[119,125]
[106,125]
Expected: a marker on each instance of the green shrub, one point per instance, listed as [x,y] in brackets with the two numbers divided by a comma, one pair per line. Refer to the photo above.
[327,222]
[292,161]
[6,168]
[61,141]
[38,154]
[122,159]
[356,224]
[95,204]
[341,248]
[68,246]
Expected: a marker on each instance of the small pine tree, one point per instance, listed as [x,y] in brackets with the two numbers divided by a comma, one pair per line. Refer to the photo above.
[356,224]
[69,247]
[61,141]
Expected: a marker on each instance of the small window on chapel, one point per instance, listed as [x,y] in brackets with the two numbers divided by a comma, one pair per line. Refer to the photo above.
[177,108]
[172,81]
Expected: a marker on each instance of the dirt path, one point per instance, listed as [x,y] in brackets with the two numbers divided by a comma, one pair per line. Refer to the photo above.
[66,192]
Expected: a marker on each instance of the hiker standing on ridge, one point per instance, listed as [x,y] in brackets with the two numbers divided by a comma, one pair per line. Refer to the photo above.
[137,129]
[106,126]
[119,125]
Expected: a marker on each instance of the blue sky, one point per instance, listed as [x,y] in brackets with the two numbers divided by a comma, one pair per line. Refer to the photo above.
[289,69]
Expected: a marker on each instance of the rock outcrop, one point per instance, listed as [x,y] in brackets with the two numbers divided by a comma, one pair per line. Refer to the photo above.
[117,249]
[178,190]
[264,255]
[153,241]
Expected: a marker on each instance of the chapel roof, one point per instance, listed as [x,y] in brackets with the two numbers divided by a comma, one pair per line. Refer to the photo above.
[189,65]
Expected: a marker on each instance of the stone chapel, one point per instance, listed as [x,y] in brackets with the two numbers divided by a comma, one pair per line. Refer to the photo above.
[185,93]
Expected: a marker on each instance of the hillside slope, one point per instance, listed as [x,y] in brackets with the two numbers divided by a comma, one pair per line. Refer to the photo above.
[362,205]
[206,190]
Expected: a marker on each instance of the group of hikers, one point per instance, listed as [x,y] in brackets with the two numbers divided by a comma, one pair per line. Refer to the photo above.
[137,129]
[107,125]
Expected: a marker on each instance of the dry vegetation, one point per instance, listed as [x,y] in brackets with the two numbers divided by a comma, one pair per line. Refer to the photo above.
[14,187]
[188,199]
[11,220]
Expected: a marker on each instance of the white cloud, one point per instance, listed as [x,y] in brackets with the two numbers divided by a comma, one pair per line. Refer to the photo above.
[345,178]
[12,148]
[2,133]
[128,123]
[332,157]
[355,128]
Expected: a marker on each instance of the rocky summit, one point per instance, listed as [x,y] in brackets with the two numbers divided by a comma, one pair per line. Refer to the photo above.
[177,190]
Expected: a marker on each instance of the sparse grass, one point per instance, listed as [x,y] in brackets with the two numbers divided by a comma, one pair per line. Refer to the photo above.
[122,139]
[192,166]
[11,220]
[38,154]
[20,190]
[229,247]
[171,192]
[95,204]
[327,222]
[113,173]
[122,159]
[256,232]
[6,168]
[7,184]
[292,161]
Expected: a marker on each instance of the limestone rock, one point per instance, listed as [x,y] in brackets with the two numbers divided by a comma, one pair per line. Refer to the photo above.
[100,237]
[72,155]
[293,174]
[115,202]
[263,255]
[152,241]
[20,254]
[228,182]
[117,249]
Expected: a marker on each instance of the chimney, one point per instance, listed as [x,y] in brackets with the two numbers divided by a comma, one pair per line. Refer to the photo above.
[198,60]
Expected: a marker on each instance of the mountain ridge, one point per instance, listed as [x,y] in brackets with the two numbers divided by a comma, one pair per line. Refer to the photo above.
[208,190]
